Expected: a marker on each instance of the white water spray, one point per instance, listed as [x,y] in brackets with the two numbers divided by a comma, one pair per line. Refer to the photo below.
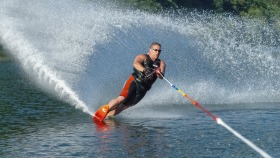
[50,45]
[34,62]
[46,36]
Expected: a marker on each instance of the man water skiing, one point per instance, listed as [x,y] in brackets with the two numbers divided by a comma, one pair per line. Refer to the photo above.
[147,68]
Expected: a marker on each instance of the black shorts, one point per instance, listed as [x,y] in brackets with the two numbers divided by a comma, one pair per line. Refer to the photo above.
[133,91]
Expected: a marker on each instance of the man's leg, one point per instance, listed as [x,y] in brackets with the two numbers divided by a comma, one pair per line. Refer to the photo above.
[113,105]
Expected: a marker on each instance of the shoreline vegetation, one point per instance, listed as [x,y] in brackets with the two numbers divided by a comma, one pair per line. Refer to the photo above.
[267,11]
[249,8]
[3,55]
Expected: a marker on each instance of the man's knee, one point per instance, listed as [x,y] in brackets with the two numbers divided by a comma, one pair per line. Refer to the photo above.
[120,99]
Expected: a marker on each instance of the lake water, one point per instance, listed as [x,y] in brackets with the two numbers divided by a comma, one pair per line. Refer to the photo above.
[34,124]
[72,56]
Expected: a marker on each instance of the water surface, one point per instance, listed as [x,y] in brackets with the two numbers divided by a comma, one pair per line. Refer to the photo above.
[34,124]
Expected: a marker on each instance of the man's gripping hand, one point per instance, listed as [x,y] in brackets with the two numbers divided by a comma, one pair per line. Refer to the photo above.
[158,71]
[148,72]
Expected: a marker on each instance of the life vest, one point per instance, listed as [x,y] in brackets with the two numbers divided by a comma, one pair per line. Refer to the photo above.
[147,82]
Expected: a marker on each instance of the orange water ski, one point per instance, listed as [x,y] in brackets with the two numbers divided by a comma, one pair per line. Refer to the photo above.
[101,113]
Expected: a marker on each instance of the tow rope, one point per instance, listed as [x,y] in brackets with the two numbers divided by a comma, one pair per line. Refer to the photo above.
[220,121]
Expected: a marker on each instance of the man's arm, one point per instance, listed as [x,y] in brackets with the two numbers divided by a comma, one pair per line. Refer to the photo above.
[138,62]
[162,69]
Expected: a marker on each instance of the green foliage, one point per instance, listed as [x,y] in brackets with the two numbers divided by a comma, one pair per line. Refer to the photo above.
[251,8]
[160,5]
[268,10]
[146,5]
[1,51]
[4,57]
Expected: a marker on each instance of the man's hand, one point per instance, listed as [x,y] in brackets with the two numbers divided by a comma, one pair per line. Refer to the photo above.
[148,72]
[158,71]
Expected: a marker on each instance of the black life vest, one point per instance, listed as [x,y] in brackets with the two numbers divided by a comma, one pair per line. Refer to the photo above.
[147,82]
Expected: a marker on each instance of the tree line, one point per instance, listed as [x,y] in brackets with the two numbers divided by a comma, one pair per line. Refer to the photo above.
[2,54]
[252,8]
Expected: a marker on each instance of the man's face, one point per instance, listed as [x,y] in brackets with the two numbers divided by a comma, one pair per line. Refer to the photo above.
[154,52]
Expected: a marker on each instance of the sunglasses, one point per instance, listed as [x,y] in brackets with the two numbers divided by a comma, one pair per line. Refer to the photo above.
[157,50]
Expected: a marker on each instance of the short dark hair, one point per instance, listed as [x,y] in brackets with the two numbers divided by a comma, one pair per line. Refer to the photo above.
[155,43]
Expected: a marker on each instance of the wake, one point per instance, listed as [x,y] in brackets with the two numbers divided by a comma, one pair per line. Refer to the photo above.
[30,59]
